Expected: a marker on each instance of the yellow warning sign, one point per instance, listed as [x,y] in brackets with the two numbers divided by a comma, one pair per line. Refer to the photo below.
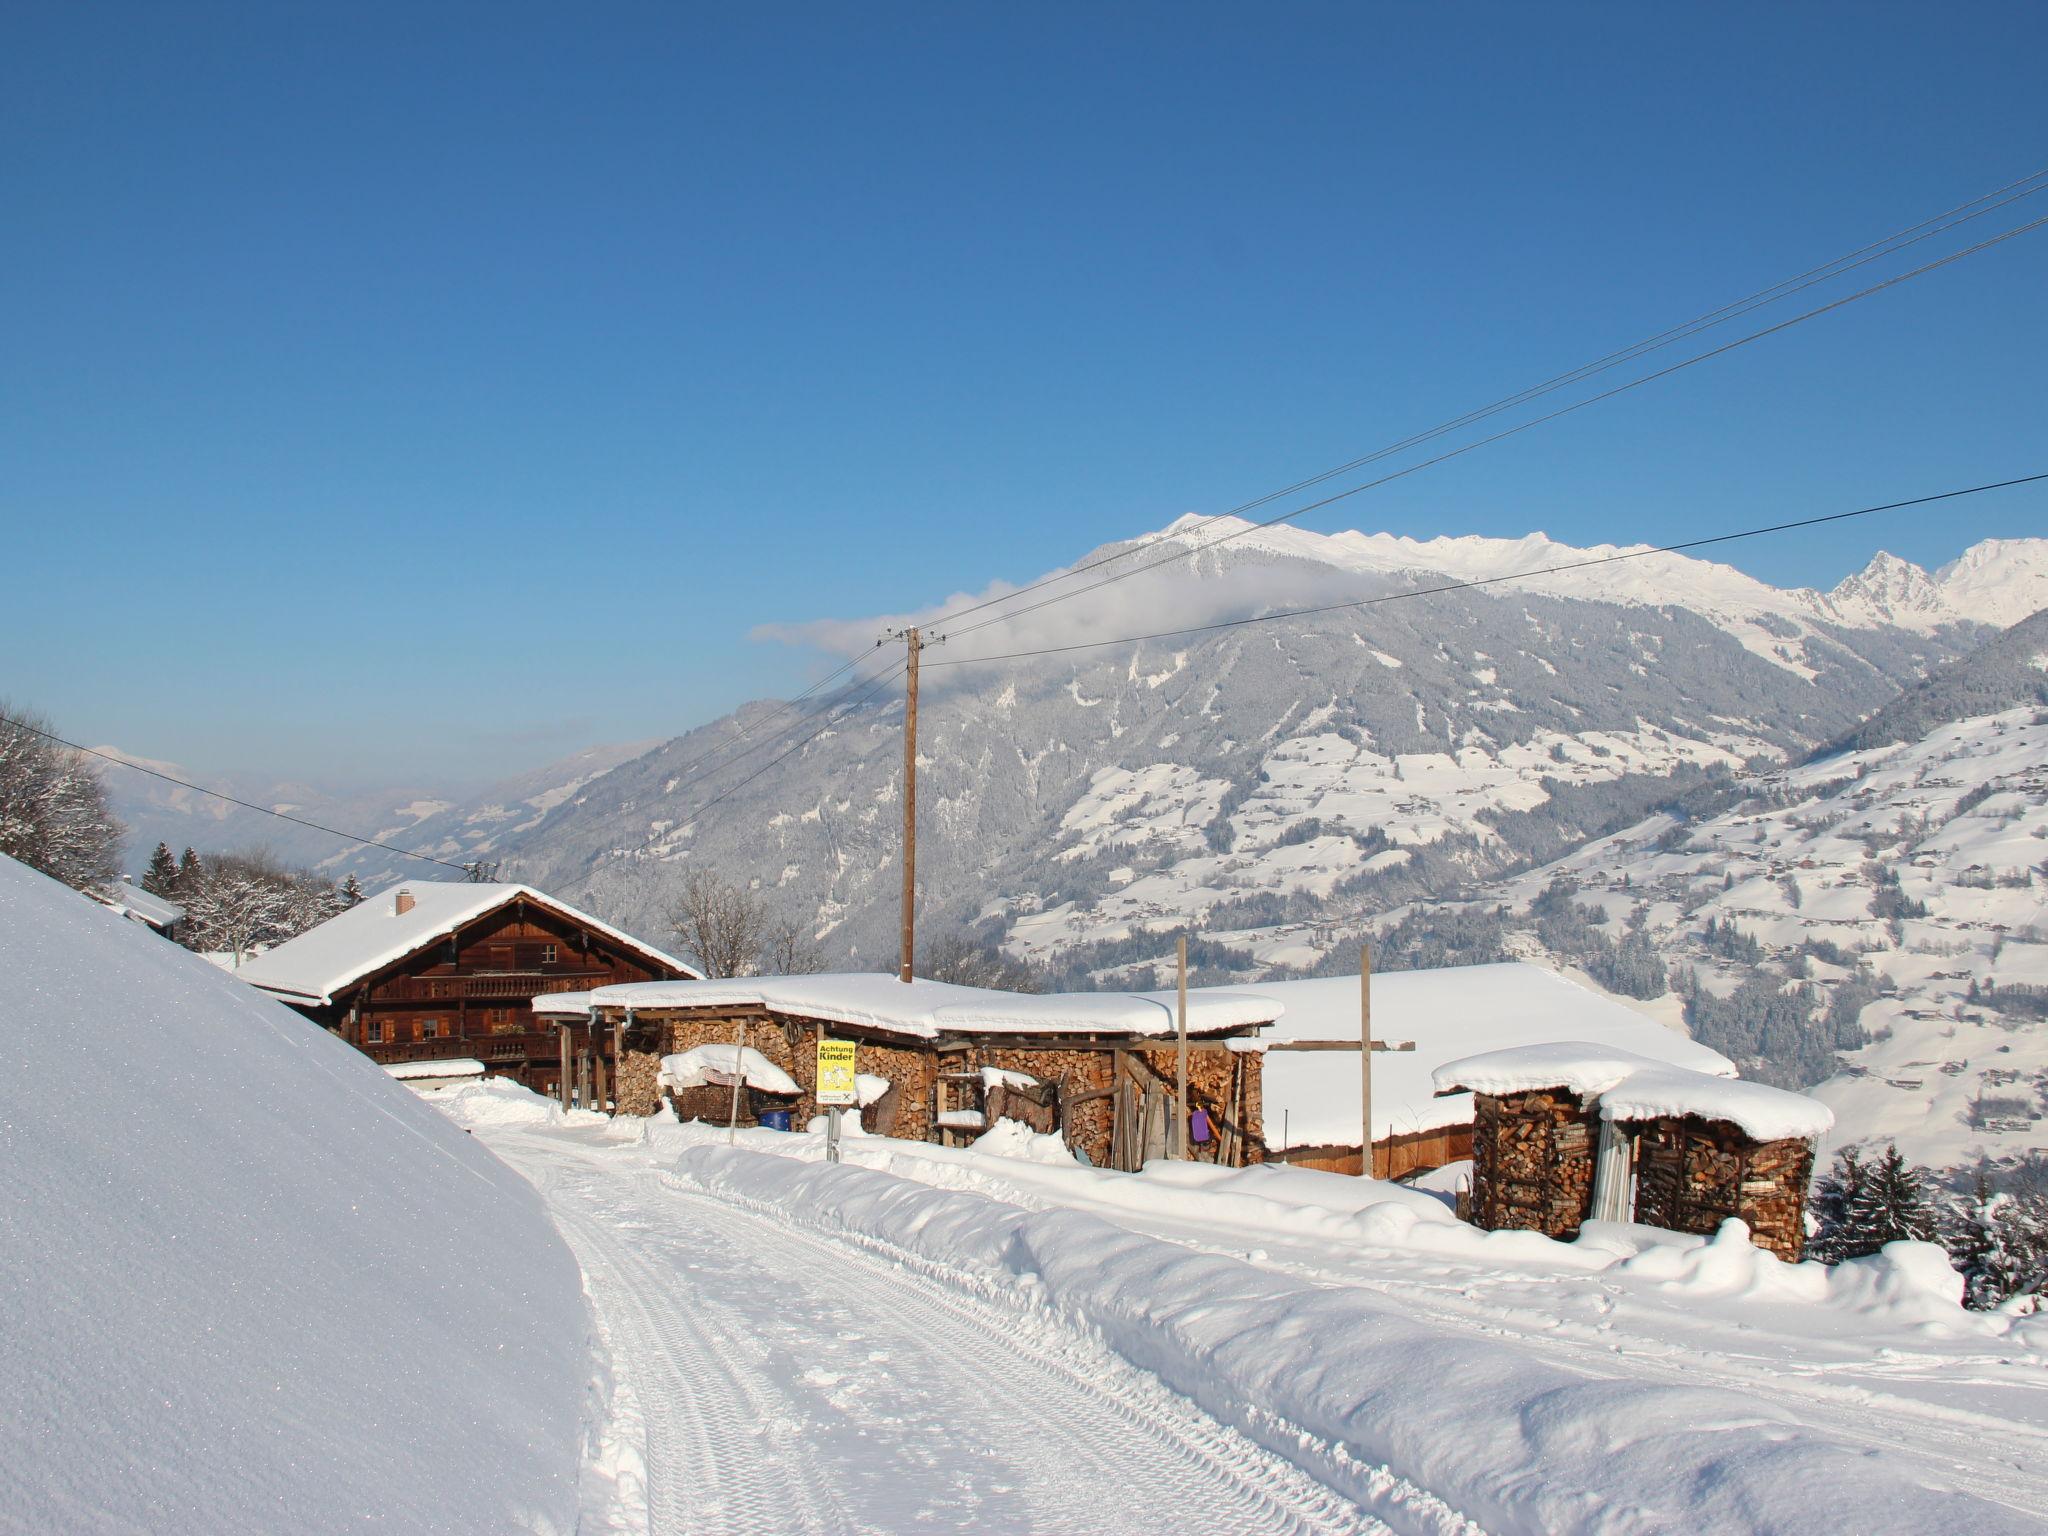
[835,1073]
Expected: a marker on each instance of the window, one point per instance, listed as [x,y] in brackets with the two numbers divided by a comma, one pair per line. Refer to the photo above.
[547,954]
[430,1028]
[373,1032]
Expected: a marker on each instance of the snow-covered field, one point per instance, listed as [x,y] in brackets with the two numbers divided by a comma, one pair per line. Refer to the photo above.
[935,1338]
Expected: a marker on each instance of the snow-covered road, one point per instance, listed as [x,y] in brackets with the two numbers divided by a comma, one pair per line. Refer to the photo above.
[772,1379]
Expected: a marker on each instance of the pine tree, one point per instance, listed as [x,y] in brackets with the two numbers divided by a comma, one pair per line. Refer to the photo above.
[1891,1205]
[351,893]
[191,875]
[1833,1194]
[161,878]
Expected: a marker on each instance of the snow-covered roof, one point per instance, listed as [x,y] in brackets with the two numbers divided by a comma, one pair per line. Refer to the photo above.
[452,1066]
[927,1009]
[1632,1087]
[1310,1098]
[134,901]
[571,1003]
[374,934]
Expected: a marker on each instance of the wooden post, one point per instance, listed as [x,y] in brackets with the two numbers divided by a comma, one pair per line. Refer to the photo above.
[914,642]
[739,1076]
[1365,1059]
[1180,1139]
[563,1031]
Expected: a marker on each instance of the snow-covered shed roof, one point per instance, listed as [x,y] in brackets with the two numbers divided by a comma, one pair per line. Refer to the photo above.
[556,1004]
[1631,1087]
[928,1009]
[374,934]
[1310,1098]
[447,1066]
[133,901]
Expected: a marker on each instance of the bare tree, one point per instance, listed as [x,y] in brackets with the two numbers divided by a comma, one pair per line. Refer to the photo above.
[53,807]
[789,952]
[960,960]
[720,926]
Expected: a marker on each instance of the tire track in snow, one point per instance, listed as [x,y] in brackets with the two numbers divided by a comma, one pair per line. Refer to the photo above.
[792,1381]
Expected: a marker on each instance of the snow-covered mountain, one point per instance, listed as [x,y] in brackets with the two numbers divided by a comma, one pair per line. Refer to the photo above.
[1997,582]
[1280,782]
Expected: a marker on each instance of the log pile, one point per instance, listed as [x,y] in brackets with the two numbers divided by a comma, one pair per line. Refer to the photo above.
[636,1092]
[1693,1174]
[1532,1162]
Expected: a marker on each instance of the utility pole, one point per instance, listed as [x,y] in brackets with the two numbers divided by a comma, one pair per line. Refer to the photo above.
[1180,1144]
[1365,1057]
[915,643]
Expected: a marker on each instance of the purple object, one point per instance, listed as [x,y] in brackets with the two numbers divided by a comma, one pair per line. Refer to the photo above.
[1198,1126]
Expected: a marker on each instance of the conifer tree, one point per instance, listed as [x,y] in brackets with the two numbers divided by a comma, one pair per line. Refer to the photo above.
[161,878]
[191,874]
[1890,1205]
[351,893]
[1833,1194]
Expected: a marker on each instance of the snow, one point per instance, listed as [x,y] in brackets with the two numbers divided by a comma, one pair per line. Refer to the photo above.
[268,1290]
[1632,1087]
[693,1068]
[1763,1112]
[962,1119]
[374,934]
[868,1087]
[131,900]
[454,1066]
[1000,1077]
[926,1009]
[1014,1139]
[562,1004]
[1311,1097]
[1506,1436]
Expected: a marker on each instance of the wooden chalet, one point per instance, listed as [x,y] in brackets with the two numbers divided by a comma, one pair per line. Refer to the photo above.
[944,1062]
[442,970]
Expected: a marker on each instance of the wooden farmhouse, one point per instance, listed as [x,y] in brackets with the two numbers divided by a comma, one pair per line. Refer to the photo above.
[1574,1132]
[1424,1019]
[944,1063]
[447,971]
[139,906]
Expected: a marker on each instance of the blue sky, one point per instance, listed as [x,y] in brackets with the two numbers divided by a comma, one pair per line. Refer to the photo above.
[392,392]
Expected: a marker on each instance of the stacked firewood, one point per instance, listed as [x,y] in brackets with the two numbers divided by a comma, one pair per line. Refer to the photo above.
[1532,1162]
[1693,1174]
[636,1092]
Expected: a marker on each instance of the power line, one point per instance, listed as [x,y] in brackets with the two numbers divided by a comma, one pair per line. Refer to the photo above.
[1912,234]
[247,805]
[1489,581]
[1519,427]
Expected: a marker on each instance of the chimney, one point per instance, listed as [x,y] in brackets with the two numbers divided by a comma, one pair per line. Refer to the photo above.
[402,905]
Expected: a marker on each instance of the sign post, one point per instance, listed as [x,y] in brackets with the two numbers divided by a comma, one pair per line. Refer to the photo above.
[836,1088]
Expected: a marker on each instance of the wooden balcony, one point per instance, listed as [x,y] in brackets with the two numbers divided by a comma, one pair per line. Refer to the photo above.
[488,986]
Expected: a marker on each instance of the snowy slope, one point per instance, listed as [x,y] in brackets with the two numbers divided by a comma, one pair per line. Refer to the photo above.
[1960,819]
[252,1284]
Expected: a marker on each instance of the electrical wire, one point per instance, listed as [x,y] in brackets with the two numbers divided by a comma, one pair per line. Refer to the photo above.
[1519,427]
[248,805]
[1912,234]
[1489,581]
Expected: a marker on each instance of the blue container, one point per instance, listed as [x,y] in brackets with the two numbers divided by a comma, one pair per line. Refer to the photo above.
[775,1119]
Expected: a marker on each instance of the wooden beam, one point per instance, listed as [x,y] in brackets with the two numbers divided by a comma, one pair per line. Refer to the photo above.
[1338,1045]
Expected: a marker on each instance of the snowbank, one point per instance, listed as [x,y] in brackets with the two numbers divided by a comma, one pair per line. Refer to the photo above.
[693,1068]
[1014,1139]
[454,1066]
[251,1283]
[1346,1382]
